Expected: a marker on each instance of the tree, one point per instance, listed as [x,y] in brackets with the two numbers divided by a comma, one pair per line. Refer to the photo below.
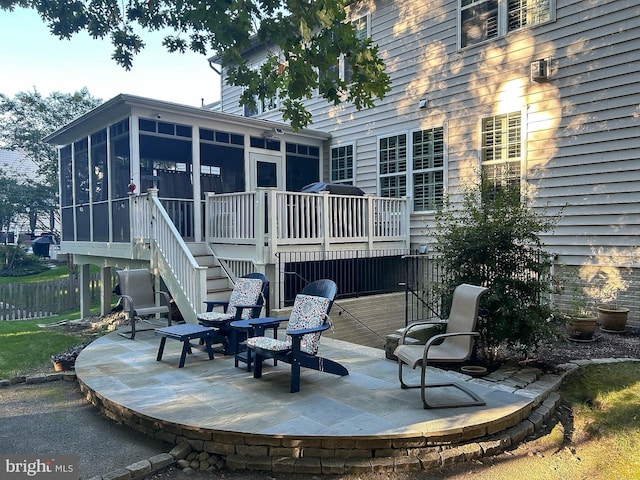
[491,239]
[24,121]
[29,117]
[306,39]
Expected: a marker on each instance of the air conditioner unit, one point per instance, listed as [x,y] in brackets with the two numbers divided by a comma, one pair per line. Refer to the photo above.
[541,70]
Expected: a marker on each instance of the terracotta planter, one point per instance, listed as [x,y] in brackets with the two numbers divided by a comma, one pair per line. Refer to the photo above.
[581,329]
[613,320]
[63,365]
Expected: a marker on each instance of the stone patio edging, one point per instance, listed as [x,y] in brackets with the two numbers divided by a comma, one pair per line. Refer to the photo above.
[341,455]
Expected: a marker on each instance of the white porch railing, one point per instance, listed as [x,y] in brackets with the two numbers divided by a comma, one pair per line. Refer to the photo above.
[268,221]
[185,279]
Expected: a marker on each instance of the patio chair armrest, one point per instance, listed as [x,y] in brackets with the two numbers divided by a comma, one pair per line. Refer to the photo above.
[127,305]
[442,336]
[240,309]
[166,296]
[305,331]
[419,323]
[212,304]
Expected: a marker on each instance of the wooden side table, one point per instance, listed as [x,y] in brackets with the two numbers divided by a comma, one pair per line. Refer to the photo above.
[253,327]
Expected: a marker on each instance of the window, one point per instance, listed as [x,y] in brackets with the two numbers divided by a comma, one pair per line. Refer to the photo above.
[392,157]
[428,169]
[342,164]
[262,106]
[502,150]
[362,32]
[482,20]
[342,68]
[418,171]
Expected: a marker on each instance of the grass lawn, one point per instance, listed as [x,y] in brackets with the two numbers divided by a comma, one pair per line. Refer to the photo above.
[25,347]
[598,440]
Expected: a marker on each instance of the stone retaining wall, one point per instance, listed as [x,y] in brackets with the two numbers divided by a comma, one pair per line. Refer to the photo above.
[339,455]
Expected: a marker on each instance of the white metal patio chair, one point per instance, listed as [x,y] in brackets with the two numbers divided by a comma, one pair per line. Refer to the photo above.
[455,345]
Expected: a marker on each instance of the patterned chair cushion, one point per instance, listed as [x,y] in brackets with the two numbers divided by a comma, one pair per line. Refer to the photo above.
[267,343]
[308,311]
[246,291]
[213,316]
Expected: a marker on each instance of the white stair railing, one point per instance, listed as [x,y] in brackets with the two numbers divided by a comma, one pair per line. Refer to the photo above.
[185,279]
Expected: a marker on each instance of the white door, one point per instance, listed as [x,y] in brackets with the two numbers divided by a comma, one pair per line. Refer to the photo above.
[266,171]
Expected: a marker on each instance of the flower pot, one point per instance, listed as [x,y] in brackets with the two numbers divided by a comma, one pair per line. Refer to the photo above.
[613,319]
[581,329]
[62,365]
[474,370]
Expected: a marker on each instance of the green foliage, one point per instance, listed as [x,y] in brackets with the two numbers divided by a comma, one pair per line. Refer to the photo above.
[308,37]
[15,262]
[491,239]
[44,276]
[29,117]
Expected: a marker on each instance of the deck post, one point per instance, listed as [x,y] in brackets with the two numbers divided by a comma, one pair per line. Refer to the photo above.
[105,290]
[260,221]
[84,290]
[326,230]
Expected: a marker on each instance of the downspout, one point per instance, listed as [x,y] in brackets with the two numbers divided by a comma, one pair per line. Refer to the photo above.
[219,72]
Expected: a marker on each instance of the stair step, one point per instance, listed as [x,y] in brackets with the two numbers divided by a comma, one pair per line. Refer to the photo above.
[219,290]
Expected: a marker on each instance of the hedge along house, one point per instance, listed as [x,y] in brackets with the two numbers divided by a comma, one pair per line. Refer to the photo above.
[540,93]
[200,197]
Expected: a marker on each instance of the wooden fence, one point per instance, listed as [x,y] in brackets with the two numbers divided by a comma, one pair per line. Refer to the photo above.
[22,301]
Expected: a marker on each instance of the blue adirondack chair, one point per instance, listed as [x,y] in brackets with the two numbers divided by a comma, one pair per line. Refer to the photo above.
[309,318]
[246,301]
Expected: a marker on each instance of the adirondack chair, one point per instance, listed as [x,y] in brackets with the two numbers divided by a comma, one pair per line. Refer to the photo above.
[309,318]
[246,301]
[139,298]
[455,345]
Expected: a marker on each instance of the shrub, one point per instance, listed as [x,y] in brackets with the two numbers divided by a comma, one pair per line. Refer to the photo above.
[16,262]
[491,238]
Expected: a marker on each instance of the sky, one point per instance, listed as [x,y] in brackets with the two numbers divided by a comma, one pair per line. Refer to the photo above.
[32,57]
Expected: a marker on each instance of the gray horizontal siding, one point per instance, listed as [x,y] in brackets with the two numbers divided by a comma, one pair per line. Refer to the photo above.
[583,145]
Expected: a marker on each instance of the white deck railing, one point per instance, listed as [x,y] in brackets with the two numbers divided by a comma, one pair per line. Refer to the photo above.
[271,221]
[185,279]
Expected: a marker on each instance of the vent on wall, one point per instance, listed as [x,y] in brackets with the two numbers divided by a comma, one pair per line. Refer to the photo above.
[541,70]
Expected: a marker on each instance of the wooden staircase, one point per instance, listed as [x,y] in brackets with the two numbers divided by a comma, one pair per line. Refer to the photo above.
[219,287]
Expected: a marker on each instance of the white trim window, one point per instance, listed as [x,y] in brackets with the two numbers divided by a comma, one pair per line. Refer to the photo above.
[419,169]
[501,150]
[392,165]
[428,169]
[342,68]
[482,20]
[342,164]
[267,105]
[363,31]
[262,106]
